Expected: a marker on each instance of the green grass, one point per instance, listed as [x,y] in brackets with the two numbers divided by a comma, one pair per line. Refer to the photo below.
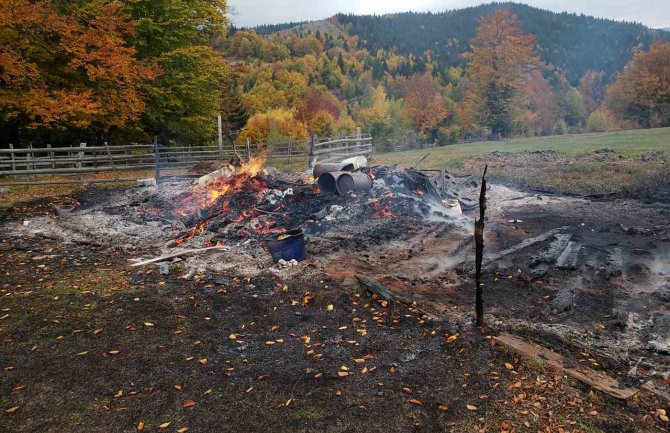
[631,144]
[572,167]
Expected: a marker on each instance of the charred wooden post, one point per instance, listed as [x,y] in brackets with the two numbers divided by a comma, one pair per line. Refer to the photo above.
[479,251]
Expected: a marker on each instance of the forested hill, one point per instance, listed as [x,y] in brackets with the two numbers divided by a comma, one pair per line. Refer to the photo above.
[574,43]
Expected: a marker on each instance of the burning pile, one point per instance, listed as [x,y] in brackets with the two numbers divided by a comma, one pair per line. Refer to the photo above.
[248,203]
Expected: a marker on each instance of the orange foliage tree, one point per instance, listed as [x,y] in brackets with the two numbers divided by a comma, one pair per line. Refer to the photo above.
[425,106]
[641,93]
[67,69]
[500,57]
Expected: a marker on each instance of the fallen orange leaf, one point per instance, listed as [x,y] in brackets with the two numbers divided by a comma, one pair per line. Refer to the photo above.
[188,403]
[415,401]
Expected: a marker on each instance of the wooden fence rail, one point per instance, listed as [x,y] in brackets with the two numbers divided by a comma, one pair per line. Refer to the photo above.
[75,161]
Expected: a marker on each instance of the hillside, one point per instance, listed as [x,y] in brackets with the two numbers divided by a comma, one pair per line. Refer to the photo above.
[328,26]
[574,43]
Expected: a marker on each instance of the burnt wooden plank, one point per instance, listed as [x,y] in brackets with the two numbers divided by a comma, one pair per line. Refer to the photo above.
[596,379]
[569,256]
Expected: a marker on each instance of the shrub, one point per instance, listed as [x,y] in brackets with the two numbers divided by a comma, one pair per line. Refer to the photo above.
[599,121]
[562,127]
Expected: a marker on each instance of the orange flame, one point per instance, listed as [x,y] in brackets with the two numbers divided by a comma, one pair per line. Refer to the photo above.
[205,196]
[384,212]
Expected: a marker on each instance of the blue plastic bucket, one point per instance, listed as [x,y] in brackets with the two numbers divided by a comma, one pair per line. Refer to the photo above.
[289,245]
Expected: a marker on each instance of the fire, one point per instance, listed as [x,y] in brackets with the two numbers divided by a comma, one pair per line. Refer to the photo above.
[208,201]
[206,196]
[200,228]
[384,211]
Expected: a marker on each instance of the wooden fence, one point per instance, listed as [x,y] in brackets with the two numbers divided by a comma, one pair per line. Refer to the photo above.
[64,165]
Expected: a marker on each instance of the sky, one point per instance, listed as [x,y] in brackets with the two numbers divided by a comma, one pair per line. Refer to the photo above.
[653,13]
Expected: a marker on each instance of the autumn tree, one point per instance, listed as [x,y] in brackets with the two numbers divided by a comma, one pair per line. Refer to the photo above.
[425,106]
[500,57]
[541,109]
[641,93]
[68,68]
[274,125]
[592,88]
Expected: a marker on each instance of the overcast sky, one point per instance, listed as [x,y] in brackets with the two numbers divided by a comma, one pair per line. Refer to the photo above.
[653,13]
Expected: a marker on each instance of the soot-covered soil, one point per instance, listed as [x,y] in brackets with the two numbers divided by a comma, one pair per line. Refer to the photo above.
[89,345]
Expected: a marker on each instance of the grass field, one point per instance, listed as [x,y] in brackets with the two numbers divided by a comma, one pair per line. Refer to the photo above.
[613,162]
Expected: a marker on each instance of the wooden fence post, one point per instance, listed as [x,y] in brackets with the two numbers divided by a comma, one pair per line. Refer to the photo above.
[51,157]
[31,156]
[157,160]
[290,149]
[220,127]
[11,147]
[80,155]
[248,149]
[312,145]
[111,159]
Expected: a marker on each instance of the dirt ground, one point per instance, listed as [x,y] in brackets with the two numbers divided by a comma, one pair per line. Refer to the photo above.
[89,344]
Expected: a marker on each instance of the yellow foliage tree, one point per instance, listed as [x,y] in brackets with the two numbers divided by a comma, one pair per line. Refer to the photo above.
[273,125]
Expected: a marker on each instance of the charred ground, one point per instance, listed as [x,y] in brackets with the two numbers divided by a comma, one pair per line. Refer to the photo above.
[89,344]
[255,355]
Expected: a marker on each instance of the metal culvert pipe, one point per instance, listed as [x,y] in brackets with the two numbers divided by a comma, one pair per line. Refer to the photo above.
[331,167]
[353,182]
[328,182]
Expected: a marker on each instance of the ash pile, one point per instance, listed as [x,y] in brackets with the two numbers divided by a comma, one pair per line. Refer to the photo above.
[250,212]
[246,204]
